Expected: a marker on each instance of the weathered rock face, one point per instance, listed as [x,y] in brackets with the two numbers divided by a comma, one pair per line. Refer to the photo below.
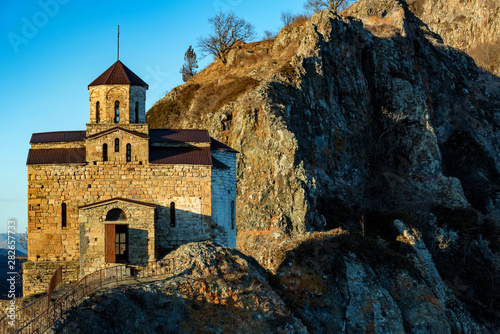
[326,283]
[361,118]
[343,283]
[339,110]
[472,26]
[214,290]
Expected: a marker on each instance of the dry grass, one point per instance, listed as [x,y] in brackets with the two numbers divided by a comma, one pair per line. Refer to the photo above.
[299,20]
[220,84]
[382,27]
[167,112]
[487,57]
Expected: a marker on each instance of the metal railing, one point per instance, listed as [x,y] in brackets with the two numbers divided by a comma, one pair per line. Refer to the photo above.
[37,317]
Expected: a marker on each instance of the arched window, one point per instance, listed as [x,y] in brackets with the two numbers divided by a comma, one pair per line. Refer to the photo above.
[233,215]
[117,111]
[115,214]
[117,145]
[97,112]
[129,152]
[172,214]
[105,152]
[63,215]
[137,111]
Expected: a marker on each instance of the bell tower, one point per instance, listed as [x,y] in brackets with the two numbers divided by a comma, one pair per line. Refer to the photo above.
[117,98]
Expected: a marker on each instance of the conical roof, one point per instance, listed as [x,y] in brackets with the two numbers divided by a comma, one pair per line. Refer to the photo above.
[118,73]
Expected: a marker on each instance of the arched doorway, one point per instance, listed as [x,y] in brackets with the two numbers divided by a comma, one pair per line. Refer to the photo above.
[116,236]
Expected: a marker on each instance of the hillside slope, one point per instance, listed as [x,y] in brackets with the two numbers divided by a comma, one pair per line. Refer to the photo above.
[353,122]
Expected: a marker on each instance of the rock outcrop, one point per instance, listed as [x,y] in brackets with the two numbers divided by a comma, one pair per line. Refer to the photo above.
[325,284]
[472,26]
[355,121]
[213,290]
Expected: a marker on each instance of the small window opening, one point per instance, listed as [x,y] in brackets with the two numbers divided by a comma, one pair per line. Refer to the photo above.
[105,152]
[129,152]
[115,214]
[117,145]
[137,111]
[63,215]
[172,214]
[117,111]
[97,112]
[233,215]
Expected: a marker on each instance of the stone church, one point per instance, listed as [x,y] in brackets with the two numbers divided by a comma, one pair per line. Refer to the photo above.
[120,192]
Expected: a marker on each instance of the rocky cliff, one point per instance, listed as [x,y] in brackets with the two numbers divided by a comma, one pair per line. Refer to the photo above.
[213,290]
[472,26]
[216,290]
[355,122]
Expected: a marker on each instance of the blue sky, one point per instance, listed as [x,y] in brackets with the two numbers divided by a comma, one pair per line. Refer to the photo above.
[50,50]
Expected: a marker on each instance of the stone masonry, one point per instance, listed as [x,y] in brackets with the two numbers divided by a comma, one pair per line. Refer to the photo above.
[170,187]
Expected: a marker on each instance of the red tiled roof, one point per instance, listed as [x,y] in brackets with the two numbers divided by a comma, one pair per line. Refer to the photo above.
[56,156]
[117,199]
[186,135]
[118,73]
[135,133]
[218,146]
[59,136]
[180,155]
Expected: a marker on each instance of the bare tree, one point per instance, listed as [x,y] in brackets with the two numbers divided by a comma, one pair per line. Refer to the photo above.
[320,5]
[269,35]
[188,70]
[287,18]
[227,30]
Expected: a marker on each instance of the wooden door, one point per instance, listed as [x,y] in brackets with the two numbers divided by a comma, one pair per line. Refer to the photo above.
[110,255]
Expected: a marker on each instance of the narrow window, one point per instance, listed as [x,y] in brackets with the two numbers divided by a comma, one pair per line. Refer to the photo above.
[233,215]
[172,214]
[97,112]
[117,145]
[129,152]
[137,111]
[117,111]
[105,152]
[63,215]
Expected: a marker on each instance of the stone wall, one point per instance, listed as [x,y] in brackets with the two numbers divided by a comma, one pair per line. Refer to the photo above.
[139,148]
[141,236]
[127,95]
[192,221]
[137,94]
[188,186]
[74,144]
[96,128]
[37,274]
[224,200]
